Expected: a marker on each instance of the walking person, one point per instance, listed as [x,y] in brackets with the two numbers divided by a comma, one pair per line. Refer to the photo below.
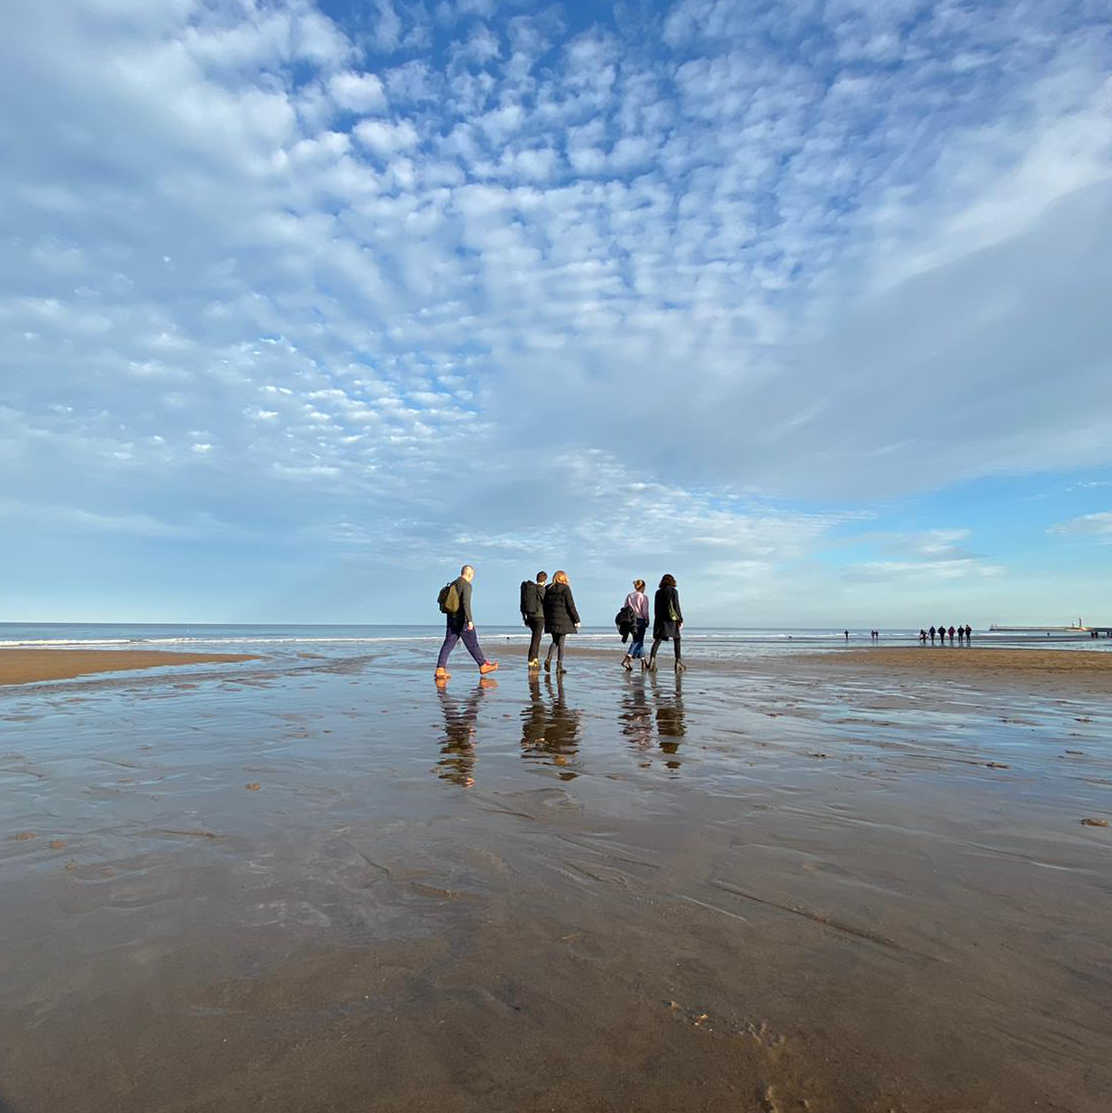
[667,620]
[951,633]
[560,618]
[460,626]
[638,602]
[968,634]
[941,633]
[932,635]
[532,614]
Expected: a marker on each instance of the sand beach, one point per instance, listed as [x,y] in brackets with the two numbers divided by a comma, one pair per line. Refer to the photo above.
[27,666]
[864,880]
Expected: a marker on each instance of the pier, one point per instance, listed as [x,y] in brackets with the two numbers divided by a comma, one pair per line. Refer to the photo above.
[1079,628]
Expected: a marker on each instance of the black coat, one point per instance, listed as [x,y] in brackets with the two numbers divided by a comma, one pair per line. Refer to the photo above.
[560,615]
[666,602]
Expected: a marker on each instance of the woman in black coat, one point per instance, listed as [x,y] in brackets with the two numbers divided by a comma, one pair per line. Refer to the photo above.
[560,618]
[667,620]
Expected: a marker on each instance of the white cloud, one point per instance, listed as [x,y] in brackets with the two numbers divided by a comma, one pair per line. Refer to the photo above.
[357,92]
[385,138]
[1098,524]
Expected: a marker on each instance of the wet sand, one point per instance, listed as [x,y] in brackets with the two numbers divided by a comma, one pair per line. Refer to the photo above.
[806,885]
[982,663]
[29,666]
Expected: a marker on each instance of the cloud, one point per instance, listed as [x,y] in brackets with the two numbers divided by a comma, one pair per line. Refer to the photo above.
[357,92]
[719,281]
[385,138]
[1097,525]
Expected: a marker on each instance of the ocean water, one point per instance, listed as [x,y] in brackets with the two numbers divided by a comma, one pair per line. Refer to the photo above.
[343,640]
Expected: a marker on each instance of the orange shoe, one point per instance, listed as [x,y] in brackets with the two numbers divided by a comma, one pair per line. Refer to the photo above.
[441,675]
[488,666]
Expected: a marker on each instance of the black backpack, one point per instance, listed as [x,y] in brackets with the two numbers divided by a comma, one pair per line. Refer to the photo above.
[532,604]
[448,599]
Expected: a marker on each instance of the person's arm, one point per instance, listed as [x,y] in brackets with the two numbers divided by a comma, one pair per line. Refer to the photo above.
[676,604]
[465,602]
[572,612]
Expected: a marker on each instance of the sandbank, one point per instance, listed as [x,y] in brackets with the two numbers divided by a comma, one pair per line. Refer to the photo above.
[29,666]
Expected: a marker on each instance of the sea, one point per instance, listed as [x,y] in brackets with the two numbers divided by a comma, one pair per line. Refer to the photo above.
[282,639]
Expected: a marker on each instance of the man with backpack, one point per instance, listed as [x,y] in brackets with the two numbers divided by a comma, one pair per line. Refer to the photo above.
[455,603]
[532,614]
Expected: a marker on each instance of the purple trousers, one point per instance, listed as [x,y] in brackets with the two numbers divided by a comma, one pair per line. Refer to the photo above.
[469,638]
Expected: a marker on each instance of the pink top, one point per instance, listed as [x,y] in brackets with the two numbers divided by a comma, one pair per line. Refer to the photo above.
[638,601]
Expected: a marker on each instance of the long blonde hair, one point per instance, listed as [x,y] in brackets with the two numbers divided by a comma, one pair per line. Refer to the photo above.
[560,576]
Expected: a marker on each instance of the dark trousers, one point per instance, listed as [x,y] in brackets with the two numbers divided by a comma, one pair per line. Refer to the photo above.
[536,632]
[469,639]
[557,644]
[656,646]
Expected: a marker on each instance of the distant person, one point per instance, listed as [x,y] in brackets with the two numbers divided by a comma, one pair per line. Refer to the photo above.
[846,632]
[667,620]
[532,614]
[951,633]
[923,636]
[932,635]
[560,618]
[968,634]
[941,633]
[961,634]
[638,602]
[460,626]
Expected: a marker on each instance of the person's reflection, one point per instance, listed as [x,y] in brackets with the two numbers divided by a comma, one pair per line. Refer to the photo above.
[637,718]
[457,750]
[669,720]
[550,731]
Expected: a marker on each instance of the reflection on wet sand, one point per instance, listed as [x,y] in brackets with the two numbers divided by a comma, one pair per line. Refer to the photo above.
[457,750]
[636,716]
[670,724]
[550,729]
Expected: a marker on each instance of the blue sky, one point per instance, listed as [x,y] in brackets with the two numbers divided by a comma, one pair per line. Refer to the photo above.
[806,303]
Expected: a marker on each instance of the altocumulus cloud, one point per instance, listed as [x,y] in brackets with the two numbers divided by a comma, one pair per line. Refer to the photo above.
[704,285]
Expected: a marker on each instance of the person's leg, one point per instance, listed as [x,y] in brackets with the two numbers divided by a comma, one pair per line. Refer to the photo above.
[536,629]
[652,652]
[450,638]
[559,639]
[548,655]
[679,654]
[637,648]
[471,640]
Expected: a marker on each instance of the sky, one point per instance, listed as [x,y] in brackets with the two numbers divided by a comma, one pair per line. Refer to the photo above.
[807,303]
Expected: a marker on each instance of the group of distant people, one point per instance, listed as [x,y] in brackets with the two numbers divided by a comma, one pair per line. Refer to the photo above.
[964,634]
[549,608]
